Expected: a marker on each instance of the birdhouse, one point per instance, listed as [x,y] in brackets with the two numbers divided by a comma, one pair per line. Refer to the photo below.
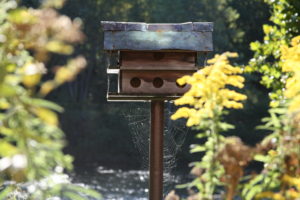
[149,58]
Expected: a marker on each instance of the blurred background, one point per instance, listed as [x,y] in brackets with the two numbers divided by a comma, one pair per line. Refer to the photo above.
[104,135]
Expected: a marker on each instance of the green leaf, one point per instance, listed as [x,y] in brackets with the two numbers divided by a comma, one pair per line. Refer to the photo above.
[7,90]
[201,135]
[254,46]
[85,191]
[6,149]
[275,120]
[73,196]
[59,47]
[225,126]
[6,192]
[198,148]
[188,185]
[253,192]
[43,103]
[262,158]
[268,138]
[21,16]
[279,111]
[6,131]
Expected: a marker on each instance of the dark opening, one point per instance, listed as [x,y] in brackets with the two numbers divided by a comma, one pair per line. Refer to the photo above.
[158,82]
[135,82]
[158,55]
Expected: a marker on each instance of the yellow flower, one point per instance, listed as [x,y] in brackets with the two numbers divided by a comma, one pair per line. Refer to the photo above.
[181,113]
[272,153]
[47,116]
[208,92]
[270,195]
[296,41]
[4,104]
[274,104]
[32,73]
[47,87]
[291,63]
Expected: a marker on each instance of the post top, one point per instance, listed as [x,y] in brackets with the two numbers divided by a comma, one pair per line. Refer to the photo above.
[140,26]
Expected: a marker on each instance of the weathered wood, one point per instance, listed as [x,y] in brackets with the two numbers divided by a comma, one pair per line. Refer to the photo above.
[165,40]
[150,82]
[136,26]
[140,60]
[117,97]
[153,56]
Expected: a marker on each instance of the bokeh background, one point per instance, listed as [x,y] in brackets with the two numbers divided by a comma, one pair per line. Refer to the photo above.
[97,131]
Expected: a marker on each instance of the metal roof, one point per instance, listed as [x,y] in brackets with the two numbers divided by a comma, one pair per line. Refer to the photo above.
[190,36]
[140,26]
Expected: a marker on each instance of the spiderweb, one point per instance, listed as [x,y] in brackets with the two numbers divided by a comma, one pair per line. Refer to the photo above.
[138,117]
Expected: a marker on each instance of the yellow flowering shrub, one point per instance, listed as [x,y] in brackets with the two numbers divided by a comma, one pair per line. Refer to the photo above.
[280,177]
[208,92]
[290,190]
[291,64]
[32,161]
[208,96]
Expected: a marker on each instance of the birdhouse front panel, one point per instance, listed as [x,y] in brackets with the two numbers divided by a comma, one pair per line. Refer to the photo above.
[152,82]
[143,60]
[155,72]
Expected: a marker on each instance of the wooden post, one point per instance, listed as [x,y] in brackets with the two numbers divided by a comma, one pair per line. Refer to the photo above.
[156,150]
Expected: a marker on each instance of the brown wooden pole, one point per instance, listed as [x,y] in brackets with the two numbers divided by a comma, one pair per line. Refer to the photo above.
[156,150]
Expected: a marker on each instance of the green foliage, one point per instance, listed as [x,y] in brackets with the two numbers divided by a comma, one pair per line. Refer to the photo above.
[269,178]
[279,152]
[32,163]
[208,97]
[248,24]
[278,155]
[209,170]
[285,25]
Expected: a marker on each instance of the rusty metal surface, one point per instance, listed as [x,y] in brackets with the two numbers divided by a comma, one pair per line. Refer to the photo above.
[157,41]
[156,150]
[178,27]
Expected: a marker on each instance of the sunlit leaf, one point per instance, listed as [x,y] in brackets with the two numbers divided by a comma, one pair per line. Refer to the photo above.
[47,115]
[198,148]
[6,192]
[59,47]
[47,87]
[6,149]
[201,135]
[225,126]
[261,158]
[4,104]
[6,131]
[42,103]
[85,191]
[73,195]
[7,90]
[21,16]
[31,80]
